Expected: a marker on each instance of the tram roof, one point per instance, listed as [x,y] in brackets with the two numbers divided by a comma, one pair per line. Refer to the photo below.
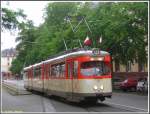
[70,53]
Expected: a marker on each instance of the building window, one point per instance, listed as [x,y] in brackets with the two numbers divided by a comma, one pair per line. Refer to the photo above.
[128,67]
[117,66]
[7,58]
[141,67]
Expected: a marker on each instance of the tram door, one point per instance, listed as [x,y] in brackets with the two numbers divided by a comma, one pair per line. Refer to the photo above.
[30,74]
[72,75]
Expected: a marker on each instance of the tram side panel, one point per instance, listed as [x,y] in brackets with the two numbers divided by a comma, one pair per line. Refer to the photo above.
[46,78]
[26,78]
[30,79]
[57,83]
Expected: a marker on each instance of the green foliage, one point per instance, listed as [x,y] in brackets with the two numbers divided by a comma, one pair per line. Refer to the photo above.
[123,27]
[10,18]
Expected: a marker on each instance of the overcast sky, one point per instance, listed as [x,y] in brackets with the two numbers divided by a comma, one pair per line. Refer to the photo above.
[34,11]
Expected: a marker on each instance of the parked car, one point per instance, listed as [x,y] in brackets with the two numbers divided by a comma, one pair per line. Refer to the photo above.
[117,83]
[129,84]
[142,85]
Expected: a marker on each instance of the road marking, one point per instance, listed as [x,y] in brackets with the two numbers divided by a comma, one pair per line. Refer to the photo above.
[127,106]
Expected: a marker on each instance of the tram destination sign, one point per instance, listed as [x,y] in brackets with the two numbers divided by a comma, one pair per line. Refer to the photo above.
[96,51]
[97,58]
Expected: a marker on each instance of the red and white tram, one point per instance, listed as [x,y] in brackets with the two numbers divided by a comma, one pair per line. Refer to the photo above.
[77,75]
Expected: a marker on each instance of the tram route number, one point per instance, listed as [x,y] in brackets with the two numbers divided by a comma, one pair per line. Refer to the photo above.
[96,51]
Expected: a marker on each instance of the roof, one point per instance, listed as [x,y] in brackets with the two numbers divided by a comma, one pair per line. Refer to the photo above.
[8,52]
[71,53]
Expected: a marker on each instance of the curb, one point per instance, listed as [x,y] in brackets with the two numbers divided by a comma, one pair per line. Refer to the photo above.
[14,90]
[132,93]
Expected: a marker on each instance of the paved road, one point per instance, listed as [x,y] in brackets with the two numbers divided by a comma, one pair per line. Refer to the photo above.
[39,103]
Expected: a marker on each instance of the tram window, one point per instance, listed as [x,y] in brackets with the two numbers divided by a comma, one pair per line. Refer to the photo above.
[37,72]
[106,69]
[53,71]
[94,68]
[49,71]
[34,72]
[57,70]
[62,70]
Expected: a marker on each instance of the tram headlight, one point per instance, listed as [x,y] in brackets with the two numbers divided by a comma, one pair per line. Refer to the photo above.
[95,87]
[101,87]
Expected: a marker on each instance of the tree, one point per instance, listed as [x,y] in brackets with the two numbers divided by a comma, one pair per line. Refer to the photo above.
[26,38]
[122,26]
[10,18]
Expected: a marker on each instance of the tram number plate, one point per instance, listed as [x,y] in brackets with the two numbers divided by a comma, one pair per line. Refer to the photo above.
[96,51]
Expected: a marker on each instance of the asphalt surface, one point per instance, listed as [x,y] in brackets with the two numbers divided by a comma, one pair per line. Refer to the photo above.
[36,102]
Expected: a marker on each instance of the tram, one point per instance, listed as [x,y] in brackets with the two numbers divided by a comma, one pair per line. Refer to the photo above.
[76,75]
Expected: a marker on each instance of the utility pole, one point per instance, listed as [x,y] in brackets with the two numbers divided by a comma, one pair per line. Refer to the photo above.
[65,44]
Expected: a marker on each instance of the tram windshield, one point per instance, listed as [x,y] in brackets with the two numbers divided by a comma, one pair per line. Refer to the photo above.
[94,68]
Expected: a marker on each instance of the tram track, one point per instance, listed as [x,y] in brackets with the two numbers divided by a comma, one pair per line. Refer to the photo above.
[125,106]
[117,109]
[42,103]
[97,107]
[105,106]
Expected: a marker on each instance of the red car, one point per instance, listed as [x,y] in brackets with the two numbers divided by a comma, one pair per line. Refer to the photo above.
[129,84]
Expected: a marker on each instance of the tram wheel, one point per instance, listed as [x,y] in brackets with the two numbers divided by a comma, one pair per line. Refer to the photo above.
[102,99]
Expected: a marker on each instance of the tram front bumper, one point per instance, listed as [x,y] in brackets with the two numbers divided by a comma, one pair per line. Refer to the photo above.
[96,95]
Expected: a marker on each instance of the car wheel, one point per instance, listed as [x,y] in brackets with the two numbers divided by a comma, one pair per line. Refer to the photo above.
[133,88]
[124,90]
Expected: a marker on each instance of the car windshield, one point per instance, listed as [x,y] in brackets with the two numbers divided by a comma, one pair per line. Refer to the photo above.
[94,68]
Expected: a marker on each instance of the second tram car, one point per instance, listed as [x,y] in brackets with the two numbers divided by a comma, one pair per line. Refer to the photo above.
[76,76]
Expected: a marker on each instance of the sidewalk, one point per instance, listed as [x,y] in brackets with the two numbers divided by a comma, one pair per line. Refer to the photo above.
[131,92]
[15,87]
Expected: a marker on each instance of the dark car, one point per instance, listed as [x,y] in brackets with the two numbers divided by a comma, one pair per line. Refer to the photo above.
[129,84]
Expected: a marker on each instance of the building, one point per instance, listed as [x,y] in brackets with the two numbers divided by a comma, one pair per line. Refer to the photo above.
[131,70]
[7,56]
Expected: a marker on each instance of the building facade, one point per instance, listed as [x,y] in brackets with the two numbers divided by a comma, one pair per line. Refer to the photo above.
[7,56]
[131,70]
